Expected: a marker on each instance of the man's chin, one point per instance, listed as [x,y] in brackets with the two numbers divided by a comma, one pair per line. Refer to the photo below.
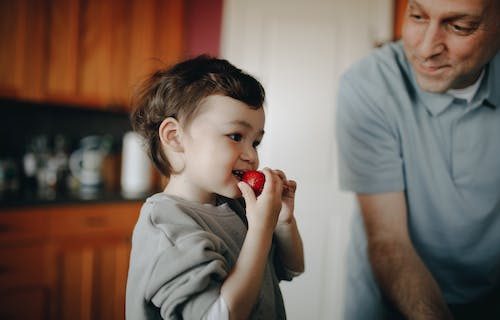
[433,85]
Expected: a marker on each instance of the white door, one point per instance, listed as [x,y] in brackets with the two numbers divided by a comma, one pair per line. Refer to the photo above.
[298,49]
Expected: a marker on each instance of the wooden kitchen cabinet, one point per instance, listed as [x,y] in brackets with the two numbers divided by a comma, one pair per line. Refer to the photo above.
[85,52]
[92,246]
[24,304]
[25,284]
[65,262]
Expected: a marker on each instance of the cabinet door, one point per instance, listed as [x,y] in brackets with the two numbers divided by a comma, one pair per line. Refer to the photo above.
[23,54]
[25,265]
[104,51]
[91,279]
[156,37]
[85,52]
[25,286]
[117,44]
[24,304]
[17,266]
[66,262]
[87,38]
[63,46]
[91,259]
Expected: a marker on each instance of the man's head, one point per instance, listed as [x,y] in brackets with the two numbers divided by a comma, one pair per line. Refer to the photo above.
[448,42]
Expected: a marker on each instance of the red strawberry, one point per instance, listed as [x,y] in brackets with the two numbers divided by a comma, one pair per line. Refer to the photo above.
[255,179]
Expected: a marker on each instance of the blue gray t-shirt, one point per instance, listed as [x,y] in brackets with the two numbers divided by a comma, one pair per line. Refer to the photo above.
[443,152]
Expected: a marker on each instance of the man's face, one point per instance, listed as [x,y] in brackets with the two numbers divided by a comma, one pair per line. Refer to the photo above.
[448,42]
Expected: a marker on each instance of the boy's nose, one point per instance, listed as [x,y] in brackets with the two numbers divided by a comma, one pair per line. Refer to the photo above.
[250,154]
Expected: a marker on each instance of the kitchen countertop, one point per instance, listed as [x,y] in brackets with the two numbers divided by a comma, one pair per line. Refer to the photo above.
[15,200]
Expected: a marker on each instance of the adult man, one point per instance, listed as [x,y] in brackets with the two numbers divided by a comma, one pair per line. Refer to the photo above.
[418,129]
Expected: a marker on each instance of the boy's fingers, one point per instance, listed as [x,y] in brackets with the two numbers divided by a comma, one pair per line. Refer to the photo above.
[269,177]
[246,191]
[292,185]
[281,174]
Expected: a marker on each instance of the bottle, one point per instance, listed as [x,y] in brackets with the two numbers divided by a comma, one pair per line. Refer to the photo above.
[60,162]
[136,167]
[29,169]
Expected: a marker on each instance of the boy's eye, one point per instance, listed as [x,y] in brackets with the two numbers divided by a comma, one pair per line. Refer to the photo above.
[236,137]
[256,144]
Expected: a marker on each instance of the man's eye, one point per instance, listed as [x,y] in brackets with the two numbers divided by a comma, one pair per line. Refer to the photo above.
[414,14]
[416,17]
[461,30]
[235,136]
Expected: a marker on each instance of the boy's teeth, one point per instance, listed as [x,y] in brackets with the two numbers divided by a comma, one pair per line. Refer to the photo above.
[238,173]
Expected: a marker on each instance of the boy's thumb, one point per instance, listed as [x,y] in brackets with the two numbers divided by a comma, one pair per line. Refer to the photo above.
[246,191]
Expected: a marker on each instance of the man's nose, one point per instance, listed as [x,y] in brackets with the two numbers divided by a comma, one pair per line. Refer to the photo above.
[433,41]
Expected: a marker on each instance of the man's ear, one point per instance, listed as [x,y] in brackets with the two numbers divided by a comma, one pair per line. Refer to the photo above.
[170,134]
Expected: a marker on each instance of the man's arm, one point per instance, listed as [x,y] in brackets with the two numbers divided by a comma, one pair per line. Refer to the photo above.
[399,271]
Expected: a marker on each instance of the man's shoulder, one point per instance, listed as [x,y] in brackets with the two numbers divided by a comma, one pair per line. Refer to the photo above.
[495,63]
[385,62]
[377,88]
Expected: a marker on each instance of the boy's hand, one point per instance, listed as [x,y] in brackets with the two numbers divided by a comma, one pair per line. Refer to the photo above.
[263,212]
[288,198]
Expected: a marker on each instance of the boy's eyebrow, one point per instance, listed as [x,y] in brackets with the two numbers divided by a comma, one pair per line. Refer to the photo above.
[244,124]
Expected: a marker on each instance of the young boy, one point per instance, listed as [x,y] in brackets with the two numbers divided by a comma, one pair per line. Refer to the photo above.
[198,250]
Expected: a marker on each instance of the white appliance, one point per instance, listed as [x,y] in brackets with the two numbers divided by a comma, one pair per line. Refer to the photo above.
[136,167]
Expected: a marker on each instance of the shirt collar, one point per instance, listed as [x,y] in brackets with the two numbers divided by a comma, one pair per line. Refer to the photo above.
[435,103]
[488,93]
[468,93]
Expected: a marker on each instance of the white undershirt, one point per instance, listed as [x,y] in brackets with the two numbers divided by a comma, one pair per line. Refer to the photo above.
[467,93]
[218,311]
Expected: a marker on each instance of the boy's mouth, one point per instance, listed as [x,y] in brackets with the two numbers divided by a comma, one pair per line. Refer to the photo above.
[238,174]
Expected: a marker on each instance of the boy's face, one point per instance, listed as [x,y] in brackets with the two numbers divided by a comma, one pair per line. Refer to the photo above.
[220,140]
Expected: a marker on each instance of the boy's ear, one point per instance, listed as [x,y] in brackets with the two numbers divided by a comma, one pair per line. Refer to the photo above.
[169,133]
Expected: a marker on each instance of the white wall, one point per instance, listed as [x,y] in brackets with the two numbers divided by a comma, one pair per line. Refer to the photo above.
[298,49]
